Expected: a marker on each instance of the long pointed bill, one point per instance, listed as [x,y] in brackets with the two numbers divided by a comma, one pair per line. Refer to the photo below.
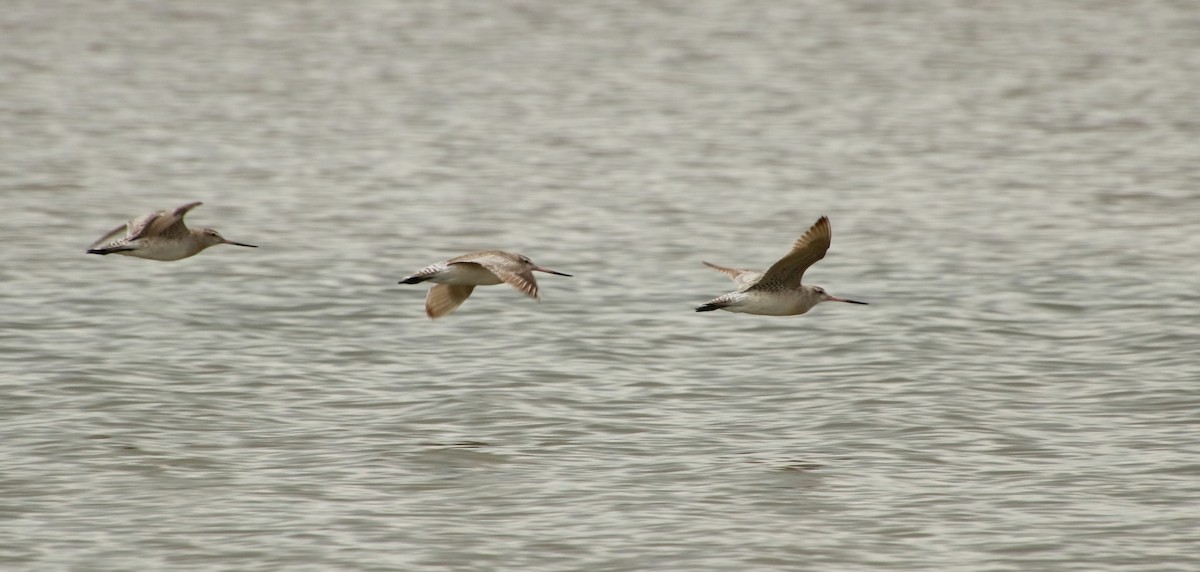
[548,271]
[240,244]
[836,299]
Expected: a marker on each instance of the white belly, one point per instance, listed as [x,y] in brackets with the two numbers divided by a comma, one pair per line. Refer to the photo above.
[161,250]
[785,303]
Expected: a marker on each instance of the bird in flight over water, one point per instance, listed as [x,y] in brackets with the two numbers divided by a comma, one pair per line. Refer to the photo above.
[457,278]
[160,235]
[778,291]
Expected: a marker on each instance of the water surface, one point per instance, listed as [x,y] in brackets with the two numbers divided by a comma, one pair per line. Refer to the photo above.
[1012,186]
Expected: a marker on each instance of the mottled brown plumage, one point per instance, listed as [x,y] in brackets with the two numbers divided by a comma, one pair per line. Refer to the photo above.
[160,235]
[778,291]
[457,278]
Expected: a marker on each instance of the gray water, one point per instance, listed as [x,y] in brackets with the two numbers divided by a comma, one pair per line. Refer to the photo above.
[1013,186]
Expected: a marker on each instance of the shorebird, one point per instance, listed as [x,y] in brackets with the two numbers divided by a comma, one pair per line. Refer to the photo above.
[160,236]
[457,278]
[778,291]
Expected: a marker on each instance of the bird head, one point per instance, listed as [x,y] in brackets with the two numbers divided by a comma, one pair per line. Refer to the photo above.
[210,237]
[824,296]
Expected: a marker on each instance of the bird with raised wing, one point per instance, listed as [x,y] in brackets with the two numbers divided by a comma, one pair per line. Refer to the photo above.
[160,235]
[778,291]
[457,278]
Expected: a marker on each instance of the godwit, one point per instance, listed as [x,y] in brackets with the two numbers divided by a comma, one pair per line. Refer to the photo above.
[160,236]
[457,278]
[778,291]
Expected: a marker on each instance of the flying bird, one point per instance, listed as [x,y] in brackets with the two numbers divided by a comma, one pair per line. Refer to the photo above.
[160,235]
[778,291]
[457,278]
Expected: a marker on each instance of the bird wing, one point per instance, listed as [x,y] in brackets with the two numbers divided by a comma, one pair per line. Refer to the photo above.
[134,229]
[445,298]
[505,268]
[169,224]
[112,233]
[744,278]
[787,271]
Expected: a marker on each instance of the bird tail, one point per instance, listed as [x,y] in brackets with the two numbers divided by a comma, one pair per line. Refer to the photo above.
[722,302]
[104,251]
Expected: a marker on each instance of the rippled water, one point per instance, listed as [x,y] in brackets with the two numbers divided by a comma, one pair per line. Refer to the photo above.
[1013,187]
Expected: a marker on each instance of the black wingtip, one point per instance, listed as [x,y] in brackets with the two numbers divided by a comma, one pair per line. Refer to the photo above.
[707,308]
[412,280]
[95,251]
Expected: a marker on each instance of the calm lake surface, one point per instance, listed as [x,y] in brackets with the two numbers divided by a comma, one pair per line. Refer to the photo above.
[1013,187]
